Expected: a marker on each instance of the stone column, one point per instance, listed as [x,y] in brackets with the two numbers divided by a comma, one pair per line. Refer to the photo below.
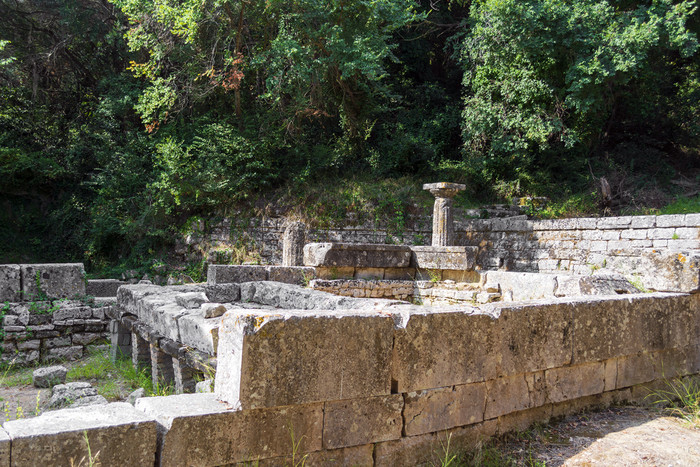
[121,340]
[140,351]
[293,244]
[162,370]
[443,225]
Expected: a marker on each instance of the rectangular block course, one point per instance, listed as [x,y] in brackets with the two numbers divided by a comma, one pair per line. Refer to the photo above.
[59,280]
[440,409]
[506,395]
[225,435]
[360,421]
[576,381]
[223,274]
[121,434]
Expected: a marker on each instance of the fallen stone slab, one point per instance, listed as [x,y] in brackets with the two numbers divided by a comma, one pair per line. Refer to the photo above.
[358,255]
[460,258]
[67,394]
[120,434]
[49,376]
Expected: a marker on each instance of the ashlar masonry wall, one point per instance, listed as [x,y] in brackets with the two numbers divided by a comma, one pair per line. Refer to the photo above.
[384,388]
[660,252]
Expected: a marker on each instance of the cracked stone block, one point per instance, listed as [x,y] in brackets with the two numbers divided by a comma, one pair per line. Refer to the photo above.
[268,359]
[121,434]
[506,395]
[572,382]
[226,435]
[361,421]
[439,409]
[223,274]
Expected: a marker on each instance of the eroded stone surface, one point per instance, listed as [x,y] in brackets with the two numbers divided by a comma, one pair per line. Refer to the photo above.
[439,409]
[268,359]
[357,255]
[361,421]
[121,434]
[461,258]
[10,283]
[227,436]
[59,280]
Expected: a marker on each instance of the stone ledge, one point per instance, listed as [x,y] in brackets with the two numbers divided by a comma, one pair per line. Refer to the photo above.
[359,255]
[460,258]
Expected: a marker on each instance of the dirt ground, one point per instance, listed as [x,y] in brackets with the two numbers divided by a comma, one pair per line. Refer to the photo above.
[618,436]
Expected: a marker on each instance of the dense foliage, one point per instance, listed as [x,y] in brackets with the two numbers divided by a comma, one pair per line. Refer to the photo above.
[121,119]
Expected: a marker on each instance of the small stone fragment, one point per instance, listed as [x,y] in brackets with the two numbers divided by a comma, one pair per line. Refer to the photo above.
[67,394]
[49,376]
[140,392]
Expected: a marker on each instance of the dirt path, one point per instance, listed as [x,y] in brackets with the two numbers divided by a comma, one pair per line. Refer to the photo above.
[619,436]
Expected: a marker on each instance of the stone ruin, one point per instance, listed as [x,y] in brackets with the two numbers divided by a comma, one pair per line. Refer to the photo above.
[373,355]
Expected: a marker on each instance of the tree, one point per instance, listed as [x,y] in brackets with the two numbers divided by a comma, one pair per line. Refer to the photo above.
[545,77]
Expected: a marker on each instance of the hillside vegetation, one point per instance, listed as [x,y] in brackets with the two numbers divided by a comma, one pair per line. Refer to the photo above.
[122,119]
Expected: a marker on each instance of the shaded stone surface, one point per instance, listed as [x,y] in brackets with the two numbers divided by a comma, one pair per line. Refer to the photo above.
[227,436]
[358,255]
[268,359]
[103,287]
[121,434]
[55,280]
[10,283]
[439,409]
[223,274]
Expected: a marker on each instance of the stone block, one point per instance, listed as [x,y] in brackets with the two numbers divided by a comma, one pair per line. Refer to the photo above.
[461,258]
[224,274]
[49,376]
[361,255]
[624,325]
[291,275]
[355,456]
[223,293]
[103,287]
[4,448]
[449,348]
[639,368]
[85,338]
[121,434]
[524,285]
[399,274]
[440,409]
[10,290]
[59,280]
[65,353]
[506,395]
[369,274]
[191,300]
[429,449]
[334,273]
[524,419]
[270,359]
[572,382]
[356,422]
[670,220]
[228,436]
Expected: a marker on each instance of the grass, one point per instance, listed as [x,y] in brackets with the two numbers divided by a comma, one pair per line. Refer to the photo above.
[681,398]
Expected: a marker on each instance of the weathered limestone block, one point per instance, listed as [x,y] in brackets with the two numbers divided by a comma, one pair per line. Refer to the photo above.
[355,422]
[161,367]
[59,280]
[49,376]
[293,297]
[460,258]
[121,434]
[524,285]
[639,368]
[228,436]
[333,273]
[10,283]
[274,359]
[572,382]
[298,275]
[355,456]
[661,270]
[624,325]
[223,293]
[183,375]
[358,255]
[4,448]
[199,333]
[459,347]
[439,409]
[506,395]
[103,287]
[191,300]
[293,243]
[223,274]
[427,449]
[140,351]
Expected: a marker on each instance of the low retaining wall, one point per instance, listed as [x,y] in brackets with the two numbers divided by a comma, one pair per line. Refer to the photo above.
[45,331]
[363,387]
[661,252]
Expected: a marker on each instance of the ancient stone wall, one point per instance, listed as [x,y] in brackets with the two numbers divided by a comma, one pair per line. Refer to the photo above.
[384,387]
[660,251]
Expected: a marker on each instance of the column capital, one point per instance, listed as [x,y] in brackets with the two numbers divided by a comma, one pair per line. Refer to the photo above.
[444,189]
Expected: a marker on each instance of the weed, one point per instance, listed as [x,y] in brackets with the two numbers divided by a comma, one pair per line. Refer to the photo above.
[681,398]
[296,462]
[674,236]
[637,283]
[446,457]
[89,460]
